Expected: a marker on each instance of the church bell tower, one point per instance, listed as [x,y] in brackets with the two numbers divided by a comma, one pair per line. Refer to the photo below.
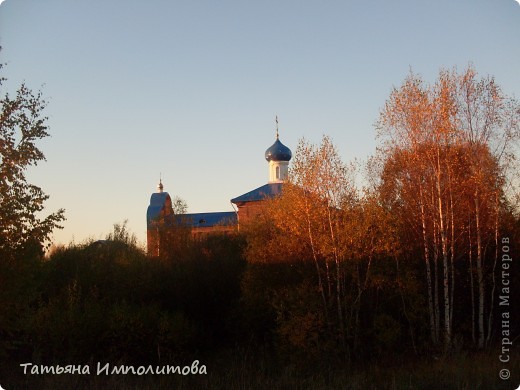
[278,156]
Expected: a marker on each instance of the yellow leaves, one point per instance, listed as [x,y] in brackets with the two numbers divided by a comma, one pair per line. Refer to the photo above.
[319,215]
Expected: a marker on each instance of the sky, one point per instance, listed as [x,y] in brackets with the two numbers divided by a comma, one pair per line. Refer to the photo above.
[190,89]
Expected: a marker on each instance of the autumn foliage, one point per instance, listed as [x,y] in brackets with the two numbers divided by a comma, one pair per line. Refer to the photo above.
[330,278]
[411,259]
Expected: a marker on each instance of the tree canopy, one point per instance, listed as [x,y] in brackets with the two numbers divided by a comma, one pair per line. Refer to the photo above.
[22,125]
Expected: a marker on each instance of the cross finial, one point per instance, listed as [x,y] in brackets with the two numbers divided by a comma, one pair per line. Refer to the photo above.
[276,126]
[160,186]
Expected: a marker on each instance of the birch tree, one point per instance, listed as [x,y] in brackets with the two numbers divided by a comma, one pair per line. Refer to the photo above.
[446,148]
[489,125]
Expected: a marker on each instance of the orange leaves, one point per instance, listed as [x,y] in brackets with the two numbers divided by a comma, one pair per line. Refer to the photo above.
[447,152]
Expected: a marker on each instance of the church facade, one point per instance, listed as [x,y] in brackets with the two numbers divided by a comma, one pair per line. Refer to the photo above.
[161,219]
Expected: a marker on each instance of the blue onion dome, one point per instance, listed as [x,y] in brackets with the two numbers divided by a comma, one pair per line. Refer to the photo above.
[278,152]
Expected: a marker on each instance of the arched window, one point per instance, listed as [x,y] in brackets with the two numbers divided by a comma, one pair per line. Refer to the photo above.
[277,173]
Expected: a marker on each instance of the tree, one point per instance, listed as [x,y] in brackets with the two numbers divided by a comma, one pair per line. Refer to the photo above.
[330,238]
[121,234]
[22,124]
[179,205]
[447,152]
[489,123]
[173,230]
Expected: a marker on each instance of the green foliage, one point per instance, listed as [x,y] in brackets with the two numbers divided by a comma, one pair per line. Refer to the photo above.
[22,124]
[386,332]
[179,205]
[20,286]
[107,301]
[122,235]
[332,294]
[301,324]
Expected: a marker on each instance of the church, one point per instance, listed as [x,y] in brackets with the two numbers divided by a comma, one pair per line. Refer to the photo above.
[160,217]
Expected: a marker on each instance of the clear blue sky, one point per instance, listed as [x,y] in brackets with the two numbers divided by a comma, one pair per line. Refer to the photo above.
[191,88]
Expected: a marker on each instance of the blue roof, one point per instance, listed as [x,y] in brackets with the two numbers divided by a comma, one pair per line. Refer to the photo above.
[266,191]
[157,203]
[208,219]
[278,152]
